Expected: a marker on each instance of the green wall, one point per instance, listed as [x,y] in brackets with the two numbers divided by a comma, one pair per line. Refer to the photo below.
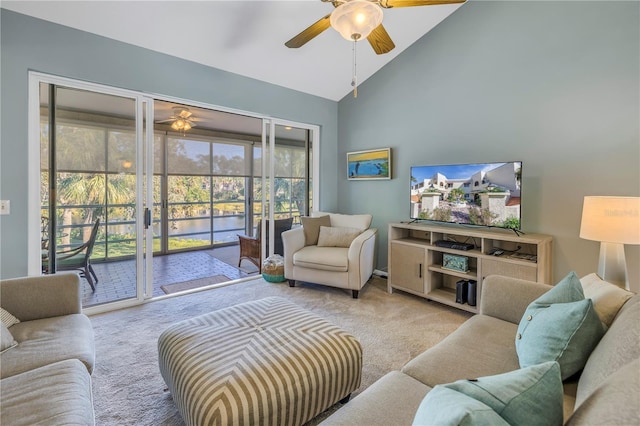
[553,84]
[31,44]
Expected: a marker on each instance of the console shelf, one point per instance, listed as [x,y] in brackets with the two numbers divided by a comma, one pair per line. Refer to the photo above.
[416,262]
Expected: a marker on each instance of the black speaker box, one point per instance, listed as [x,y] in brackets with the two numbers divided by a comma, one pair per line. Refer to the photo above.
[472,290]
[461,291]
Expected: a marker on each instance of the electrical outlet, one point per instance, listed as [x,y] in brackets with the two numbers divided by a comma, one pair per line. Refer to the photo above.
[5,206]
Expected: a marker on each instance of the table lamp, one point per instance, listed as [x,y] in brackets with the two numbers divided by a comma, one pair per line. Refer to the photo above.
[614,221]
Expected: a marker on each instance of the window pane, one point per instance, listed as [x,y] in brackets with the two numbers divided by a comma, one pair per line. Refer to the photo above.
[229,159]
[189,211]
[122,152]
[189,157]
[80,148]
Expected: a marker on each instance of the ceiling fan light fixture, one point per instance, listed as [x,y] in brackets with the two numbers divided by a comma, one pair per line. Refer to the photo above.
[356,19]
[178,124]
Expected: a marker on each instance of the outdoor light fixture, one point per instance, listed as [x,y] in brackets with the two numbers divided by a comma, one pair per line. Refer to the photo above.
[614,221]
[355,20]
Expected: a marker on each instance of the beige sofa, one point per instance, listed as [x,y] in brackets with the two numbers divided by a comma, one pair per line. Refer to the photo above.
[331,258]
[45,375]
[606,392]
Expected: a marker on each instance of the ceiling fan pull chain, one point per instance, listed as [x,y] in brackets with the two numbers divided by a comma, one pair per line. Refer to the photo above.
[354,80]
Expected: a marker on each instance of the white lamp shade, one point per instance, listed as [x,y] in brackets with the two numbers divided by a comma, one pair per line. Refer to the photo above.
[611,219]
[356,19]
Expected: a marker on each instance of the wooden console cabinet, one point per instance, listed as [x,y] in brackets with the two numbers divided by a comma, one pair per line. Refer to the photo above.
[416,263]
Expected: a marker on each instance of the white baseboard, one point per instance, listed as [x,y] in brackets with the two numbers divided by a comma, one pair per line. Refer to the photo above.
[380,273]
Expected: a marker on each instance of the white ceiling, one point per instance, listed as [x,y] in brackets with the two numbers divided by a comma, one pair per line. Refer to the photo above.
[244,37]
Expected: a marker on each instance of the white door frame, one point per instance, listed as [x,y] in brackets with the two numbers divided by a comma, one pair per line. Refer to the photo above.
[144,240]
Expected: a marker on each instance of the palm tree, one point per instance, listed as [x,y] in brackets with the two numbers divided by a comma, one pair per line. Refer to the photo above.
[89,190]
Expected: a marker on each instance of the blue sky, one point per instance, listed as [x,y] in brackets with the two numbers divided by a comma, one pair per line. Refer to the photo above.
[451,171]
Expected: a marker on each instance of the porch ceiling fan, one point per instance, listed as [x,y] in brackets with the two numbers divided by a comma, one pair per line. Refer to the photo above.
[181,120]
[357,19]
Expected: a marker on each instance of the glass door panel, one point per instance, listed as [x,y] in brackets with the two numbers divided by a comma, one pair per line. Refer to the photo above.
[282,175]
[88,175]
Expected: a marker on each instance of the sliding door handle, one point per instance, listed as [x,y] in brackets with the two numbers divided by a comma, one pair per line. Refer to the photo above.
[147,218]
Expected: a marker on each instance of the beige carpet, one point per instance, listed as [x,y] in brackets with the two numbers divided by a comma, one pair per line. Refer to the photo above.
[190,285]
[128,388]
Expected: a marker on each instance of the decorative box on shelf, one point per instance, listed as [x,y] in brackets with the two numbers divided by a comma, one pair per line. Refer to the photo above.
[455,263]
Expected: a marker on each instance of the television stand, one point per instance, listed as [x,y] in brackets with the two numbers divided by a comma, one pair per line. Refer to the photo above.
[418,260]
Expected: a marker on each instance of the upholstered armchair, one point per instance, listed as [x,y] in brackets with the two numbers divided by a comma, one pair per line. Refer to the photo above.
[337,250]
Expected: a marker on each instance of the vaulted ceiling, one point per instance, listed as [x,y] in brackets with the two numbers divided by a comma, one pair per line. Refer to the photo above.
[244,37]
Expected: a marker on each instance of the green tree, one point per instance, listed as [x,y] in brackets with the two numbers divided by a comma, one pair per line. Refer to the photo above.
[456,194]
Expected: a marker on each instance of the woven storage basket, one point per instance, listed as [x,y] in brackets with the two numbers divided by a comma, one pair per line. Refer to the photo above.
[273,273]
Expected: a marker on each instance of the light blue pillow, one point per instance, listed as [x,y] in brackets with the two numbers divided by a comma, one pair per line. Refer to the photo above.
[561,325]
[444,406]
[531,396]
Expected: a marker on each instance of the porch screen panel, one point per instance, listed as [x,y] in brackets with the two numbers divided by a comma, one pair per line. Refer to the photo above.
[229,170]
[188,193]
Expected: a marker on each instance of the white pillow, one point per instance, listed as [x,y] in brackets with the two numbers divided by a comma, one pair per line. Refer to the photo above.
[607,298]
[6,339]
[7,319]
[336,236]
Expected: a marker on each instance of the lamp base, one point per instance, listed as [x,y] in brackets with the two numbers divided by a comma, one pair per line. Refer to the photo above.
[612,266]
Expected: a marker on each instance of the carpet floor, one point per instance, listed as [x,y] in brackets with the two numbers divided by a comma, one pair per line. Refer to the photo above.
[128,388]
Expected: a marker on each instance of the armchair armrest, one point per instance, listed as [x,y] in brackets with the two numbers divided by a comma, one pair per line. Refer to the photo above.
[507,298]
[292,241]
[362,251]
[31,298]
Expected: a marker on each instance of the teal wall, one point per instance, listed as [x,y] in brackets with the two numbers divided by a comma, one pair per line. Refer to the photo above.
[31,44]
[553,84]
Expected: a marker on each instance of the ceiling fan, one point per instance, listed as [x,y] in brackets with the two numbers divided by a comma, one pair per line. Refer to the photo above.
[356,19]
[181,120]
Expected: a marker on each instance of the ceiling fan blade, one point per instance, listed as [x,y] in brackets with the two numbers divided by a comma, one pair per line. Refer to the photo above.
[380,41]
[311,32]
[387,4]
[169,120]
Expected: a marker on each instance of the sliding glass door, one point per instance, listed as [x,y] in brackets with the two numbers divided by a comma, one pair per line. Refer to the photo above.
[121,172]
[93,189]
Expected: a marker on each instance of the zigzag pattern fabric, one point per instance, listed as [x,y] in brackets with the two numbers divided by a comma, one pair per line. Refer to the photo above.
[264,362]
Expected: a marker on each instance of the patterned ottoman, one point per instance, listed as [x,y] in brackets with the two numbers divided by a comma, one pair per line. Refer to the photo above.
[265,362]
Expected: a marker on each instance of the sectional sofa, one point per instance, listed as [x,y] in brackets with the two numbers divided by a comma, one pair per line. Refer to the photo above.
[483,351]
[48,352]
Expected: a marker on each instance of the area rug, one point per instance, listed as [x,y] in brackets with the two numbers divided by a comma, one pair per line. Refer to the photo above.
[128,388]
[190,285]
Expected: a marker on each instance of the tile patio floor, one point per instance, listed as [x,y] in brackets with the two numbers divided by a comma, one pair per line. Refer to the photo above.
[116,280]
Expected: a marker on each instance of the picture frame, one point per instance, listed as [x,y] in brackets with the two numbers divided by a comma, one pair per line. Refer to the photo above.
[373,164]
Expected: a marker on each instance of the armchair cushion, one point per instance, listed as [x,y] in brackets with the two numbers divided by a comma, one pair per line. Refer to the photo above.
[323,258]
[311,227]
[337,236]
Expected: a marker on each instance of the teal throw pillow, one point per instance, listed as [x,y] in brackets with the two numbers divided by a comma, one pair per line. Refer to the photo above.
[531,396]
[561,325]
[444,406]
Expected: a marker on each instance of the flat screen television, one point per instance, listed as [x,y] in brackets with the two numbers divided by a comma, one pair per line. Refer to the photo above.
[483,194]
